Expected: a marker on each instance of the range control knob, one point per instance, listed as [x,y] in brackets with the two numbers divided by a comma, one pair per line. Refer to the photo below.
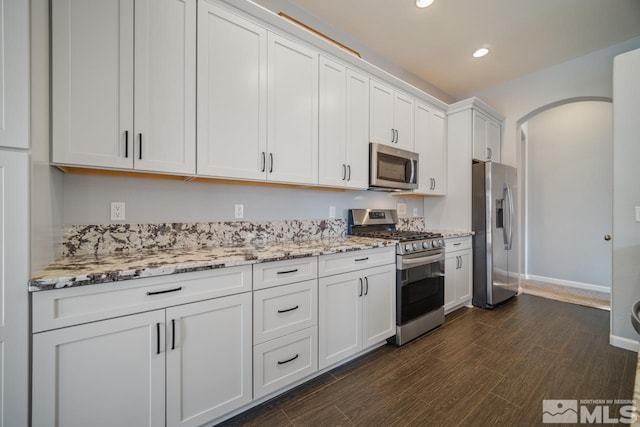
[434,244]
[440,243]
[408,247]
[415,247]
[426,245]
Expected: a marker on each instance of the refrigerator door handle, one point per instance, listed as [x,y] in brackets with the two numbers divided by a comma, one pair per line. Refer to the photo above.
[511,213]
[507,217]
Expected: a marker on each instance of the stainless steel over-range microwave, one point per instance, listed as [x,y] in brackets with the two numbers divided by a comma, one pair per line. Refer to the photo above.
[392,169]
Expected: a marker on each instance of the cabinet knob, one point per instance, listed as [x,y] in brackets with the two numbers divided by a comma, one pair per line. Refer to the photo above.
[607,237]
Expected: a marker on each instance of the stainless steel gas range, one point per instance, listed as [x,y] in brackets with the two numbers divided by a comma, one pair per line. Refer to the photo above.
[419,271]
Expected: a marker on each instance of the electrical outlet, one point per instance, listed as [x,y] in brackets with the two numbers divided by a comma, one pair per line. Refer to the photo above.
[402,208]
[415,211]
[117,211]
[239,211]
[637,213]
[332,211]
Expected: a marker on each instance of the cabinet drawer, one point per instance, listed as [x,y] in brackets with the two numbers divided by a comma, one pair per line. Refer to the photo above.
[284,309]
[282,361]
[71,306]
[284,272]
[356,260]
[457,244]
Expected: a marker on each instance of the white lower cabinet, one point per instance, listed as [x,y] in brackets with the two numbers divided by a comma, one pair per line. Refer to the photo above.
[117,371]
[458,273]
[107,373]
[357,310]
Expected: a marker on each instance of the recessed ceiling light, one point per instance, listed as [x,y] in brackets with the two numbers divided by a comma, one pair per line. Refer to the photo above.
[480,52]
[423,3]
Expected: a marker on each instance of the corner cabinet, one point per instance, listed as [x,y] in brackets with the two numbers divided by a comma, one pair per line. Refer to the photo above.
[458,273]
[391,116]
[124,84]
[357,308]
[431,145]
[343,126]
[190,359]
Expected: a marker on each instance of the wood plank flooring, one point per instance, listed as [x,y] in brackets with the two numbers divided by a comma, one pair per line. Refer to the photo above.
[480,368]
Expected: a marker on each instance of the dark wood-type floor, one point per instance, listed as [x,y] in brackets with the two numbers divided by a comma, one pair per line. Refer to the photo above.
[480,368]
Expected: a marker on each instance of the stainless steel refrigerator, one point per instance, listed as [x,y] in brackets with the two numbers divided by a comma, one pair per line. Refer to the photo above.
[494,221]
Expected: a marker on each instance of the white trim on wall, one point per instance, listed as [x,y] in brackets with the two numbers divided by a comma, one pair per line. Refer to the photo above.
[562,282]
[625,343]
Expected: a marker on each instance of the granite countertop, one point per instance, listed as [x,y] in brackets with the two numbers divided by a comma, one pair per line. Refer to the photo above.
[449,234]
[94,269]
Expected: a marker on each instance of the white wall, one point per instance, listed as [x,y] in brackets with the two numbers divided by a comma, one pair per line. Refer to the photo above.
[587,76]
[569,182]
[46,182]
[87,200]
[626,196]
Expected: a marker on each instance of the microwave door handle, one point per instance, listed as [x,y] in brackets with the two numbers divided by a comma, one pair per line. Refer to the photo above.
[413,171]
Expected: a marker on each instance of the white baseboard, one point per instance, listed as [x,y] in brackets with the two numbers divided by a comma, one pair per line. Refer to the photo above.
[625,343]
[561,282]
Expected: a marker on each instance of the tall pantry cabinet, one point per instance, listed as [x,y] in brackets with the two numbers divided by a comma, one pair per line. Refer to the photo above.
[14,212]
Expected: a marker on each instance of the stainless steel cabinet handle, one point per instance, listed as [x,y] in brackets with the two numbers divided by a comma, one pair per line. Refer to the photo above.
[288,360]
[270,162]
[158,337]
[126,144]
[140,146]
[366,285]
[263,161]
[360,281]
[393,135]
[348,172]
[344,172]
[286,310]
[397,136]
[287,271]
[361,259]
[457,244]
[489,153]
[173,334]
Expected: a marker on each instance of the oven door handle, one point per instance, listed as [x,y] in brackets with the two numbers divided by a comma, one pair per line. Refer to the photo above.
[406,263]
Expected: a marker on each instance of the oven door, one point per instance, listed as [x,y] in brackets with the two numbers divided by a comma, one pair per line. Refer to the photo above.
[420,285]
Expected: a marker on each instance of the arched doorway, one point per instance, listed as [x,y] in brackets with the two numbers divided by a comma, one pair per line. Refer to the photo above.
[566,181]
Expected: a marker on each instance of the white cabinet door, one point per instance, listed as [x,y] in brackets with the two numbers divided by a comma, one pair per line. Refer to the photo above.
[357,130]
[493,141]
[403,120]
[292,124]
[165,86]
[381,102]
[332,124]
[107,373]
[437,152]
[14,299]
[209,369]
[464,278]
[379,308]
[479,136]
[92,90]
[339,317]
[232,95]
[14,76]
[451,263]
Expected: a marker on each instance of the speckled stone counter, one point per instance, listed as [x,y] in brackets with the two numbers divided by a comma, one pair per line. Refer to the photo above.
[89,269]
[450,234]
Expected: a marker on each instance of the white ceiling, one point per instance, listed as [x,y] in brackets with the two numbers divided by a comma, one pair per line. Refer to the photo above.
[436,43]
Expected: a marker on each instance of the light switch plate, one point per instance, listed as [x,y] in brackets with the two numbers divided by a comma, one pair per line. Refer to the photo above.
[637,213]
[239,211]
[117,211]
[332,211]
[402,208]
[415,211]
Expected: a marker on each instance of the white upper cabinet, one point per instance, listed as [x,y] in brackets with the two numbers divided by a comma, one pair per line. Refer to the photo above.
[343,126]
[391,117]
[430,144]
[96,46]
[14,74]
[232,105]
[292,112]
[486,138]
